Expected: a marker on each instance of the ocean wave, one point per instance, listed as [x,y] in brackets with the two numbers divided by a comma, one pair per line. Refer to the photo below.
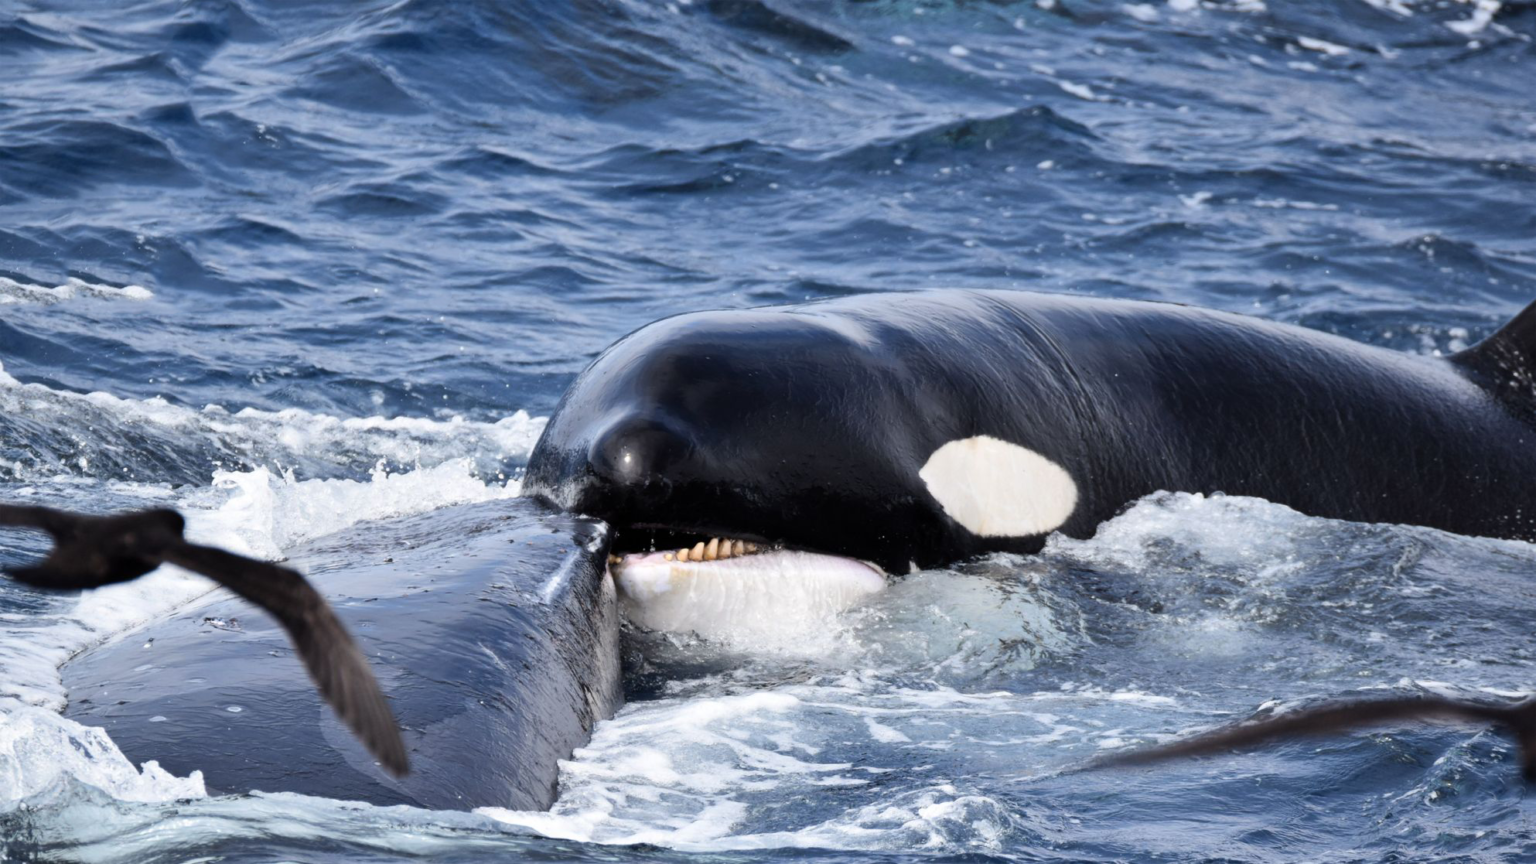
[13,292]
[58,158]
[50,432]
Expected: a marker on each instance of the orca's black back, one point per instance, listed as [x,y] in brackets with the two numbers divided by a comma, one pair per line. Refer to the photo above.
[1191,400]
[811,425]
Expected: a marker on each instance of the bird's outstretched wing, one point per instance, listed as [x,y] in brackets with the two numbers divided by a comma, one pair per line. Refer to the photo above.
[92,551]
[25,517]
[1339,716]
[332,658]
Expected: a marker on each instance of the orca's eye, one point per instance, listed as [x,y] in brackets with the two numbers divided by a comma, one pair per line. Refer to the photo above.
[637,450]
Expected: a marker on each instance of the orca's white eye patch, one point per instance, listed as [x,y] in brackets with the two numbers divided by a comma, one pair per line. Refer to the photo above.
[998,489]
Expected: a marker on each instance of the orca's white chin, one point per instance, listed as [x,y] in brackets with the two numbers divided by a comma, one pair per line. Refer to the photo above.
[726,596]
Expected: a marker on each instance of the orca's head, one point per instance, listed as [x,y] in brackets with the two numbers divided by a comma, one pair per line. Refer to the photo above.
[748,431]
[877,435]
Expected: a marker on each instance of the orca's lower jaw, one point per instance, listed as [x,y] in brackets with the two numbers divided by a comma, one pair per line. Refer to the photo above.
[724,586]
[655,544]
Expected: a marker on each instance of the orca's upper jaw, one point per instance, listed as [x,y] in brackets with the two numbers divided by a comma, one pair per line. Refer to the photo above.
[647,518]
[716,541]
[681,546]
[649,536]
[663,485]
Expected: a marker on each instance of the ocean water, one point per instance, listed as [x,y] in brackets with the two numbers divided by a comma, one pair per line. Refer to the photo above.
[293,264]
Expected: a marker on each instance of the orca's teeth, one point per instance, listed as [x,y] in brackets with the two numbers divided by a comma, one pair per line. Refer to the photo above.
[713,549]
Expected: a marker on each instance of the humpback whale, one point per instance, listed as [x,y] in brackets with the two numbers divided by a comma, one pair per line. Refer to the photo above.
[492,627]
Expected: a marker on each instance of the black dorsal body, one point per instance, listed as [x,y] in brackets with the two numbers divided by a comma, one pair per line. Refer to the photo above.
[811,425]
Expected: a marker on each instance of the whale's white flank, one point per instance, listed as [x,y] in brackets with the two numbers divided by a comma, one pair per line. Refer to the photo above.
[998,489]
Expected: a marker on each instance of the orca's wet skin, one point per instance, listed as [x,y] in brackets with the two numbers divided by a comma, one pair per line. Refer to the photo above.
[917,430]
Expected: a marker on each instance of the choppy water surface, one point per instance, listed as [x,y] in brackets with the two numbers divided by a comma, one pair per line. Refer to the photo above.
[289,266]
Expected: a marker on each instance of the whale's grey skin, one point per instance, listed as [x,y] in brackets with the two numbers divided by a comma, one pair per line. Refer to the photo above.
[809,425]
[491,627]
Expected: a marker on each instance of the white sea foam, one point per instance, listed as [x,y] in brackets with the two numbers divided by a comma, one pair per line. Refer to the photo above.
[1480,18]
[133,834]
[1321,46]
[952,625]
[15,293]
[1081,91]
[41,754]
[97,422]
[1482,15]
[1395,6]
[1230,530]
[690,773]
[1282,203]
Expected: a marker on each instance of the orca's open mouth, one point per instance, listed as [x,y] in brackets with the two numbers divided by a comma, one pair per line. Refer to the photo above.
[651,545]
[712,549]
[713,585]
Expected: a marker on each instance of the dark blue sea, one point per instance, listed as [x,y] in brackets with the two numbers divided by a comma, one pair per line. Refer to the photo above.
[292,264]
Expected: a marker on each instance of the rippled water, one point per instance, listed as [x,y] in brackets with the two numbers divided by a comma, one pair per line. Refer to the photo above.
[290,265]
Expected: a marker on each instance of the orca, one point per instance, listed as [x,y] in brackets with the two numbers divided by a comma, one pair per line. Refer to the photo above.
[491,627]
[913,430]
